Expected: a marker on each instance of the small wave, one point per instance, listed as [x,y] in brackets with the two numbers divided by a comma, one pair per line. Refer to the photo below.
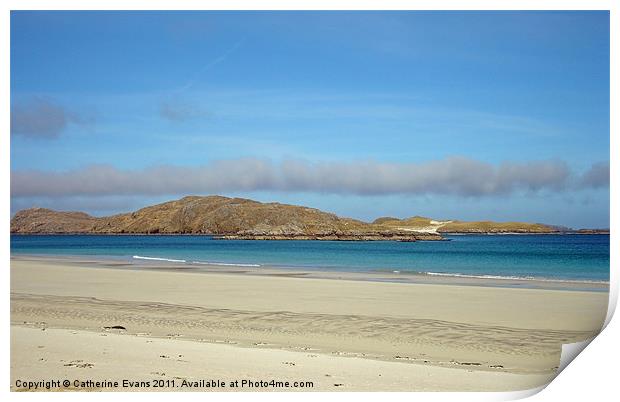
[512,278]
[224,264]
[139,257]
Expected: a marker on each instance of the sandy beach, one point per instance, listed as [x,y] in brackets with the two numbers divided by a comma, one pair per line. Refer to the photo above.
[85,320]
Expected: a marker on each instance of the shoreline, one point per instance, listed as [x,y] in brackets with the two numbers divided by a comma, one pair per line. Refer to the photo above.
[586,232]
[377,275]
[73,321]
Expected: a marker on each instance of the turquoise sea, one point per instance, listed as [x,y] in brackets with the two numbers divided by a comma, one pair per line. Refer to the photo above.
[558,257]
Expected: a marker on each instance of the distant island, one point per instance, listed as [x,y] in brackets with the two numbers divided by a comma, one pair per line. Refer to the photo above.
[239,218]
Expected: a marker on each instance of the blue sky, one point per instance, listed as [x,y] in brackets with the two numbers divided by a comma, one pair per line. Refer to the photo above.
[465,115]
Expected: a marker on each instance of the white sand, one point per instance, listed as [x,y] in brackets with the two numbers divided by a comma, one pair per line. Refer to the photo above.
[364,335]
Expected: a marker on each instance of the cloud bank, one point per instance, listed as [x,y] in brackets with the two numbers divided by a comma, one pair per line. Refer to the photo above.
[41,118]
[456,176]
[597,176]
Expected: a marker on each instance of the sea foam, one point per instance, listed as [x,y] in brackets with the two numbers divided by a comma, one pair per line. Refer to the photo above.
[512,278]
[139,257]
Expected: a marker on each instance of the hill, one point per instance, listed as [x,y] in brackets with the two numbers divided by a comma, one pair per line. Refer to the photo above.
[230,218]
[428,225]
[239,218]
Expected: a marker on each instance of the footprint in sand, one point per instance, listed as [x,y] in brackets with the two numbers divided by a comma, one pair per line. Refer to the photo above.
[116,327]
[78,364]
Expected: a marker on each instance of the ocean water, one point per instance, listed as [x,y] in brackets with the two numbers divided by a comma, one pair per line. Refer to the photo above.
[559,257]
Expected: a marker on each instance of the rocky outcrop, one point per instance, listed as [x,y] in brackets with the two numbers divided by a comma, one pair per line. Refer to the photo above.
[354,236]
[239,218]
[42,220]
[590,231]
